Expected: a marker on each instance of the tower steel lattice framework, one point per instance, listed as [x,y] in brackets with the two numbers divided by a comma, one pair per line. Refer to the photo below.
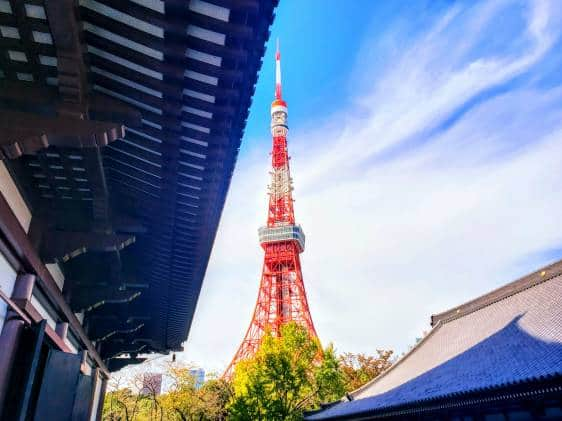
[281,296]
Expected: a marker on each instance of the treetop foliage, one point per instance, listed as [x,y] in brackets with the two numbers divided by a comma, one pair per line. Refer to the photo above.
[288,375]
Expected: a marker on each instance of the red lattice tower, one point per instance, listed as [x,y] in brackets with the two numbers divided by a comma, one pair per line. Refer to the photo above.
[281,297]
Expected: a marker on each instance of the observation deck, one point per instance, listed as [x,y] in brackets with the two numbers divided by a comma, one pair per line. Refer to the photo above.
[282,233]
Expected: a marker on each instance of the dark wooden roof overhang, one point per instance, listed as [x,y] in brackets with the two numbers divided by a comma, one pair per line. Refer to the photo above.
[138,114]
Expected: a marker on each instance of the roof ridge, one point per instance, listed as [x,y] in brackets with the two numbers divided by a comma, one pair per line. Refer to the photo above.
[530,280]
[534,278]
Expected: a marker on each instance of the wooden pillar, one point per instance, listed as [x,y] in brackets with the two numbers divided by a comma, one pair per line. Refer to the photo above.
[61,329]
[11,334]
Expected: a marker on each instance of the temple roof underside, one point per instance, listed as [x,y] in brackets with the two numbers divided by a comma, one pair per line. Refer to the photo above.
[121,123]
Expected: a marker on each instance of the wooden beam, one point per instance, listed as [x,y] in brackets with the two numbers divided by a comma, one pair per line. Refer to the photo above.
[117,346]
[61,246]
[26,92]
[88,299]
[104,333]
[103,107]
[72,71]
[14,307]
[116,364]
[100,106]
[247,5]
[15,236]
[235,30]
[119,222]
[25,133]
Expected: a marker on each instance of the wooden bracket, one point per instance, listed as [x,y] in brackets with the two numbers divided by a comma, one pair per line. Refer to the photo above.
[61,246]
[88,299]
[100,335]
[25,133]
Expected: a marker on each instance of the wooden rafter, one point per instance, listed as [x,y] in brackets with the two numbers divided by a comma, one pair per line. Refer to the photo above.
[61,246]
[104,332]
[88,299]
[72,71]
[25,133]
[101,107]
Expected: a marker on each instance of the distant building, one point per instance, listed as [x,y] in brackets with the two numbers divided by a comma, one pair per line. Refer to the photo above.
[199,376]
[498,356]
[168,382]
[151,384]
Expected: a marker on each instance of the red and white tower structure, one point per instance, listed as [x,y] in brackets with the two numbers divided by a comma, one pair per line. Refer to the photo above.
[281,296]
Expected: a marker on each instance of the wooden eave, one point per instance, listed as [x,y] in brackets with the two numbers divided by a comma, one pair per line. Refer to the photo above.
[177,196]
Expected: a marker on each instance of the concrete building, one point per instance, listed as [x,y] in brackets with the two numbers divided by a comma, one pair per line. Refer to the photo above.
[199,376]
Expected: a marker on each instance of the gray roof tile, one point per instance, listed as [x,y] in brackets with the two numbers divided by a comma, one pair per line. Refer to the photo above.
[512,338]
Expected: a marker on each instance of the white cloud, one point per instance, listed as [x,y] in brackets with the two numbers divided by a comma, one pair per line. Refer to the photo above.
[403,220]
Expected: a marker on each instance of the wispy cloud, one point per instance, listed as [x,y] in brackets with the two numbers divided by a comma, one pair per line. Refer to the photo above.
[437,183]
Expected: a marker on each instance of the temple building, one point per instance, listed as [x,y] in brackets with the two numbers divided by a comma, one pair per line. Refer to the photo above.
[120,123]
[497,357]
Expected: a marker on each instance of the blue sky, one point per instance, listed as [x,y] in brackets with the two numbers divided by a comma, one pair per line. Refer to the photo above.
[317,63]
[426,143]
[320,43]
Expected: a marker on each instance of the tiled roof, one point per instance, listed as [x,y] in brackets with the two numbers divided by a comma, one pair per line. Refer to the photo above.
[487,343]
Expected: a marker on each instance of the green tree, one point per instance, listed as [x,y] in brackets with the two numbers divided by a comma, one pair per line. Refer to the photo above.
[121,405]
[186,402]
[288,374]
[183,402]
[359,369]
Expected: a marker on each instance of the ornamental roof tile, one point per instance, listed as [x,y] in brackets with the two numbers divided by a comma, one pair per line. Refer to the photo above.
[508,336]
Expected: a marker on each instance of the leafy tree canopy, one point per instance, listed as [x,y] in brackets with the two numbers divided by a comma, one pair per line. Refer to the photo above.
[358,369]
[288,374]
[187,402]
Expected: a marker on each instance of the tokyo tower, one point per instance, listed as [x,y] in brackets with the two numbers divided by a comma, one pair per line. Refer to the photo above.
[281,296]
